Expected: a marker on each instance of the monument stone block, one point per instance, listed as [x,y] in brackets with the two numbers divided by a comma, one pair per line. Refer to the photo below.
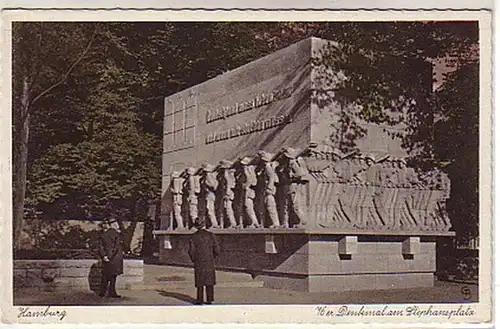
[260,157]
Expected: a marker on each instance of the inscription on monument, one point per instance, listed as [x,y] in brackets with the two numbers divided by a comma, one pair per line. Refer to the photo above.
[247,128]
[254,103]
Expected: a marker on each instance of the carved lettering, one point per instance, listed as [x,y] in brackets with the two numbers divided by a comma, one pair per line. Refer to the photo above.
[247,128]
[256,102]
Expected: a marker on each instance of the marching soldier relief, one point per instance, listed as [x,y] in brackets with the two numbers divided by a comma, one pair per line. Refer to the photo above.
[192,187]
[270,177]
[228,185]
[177,191]
[210,184]
[383,194]
[249,183]
[260,163]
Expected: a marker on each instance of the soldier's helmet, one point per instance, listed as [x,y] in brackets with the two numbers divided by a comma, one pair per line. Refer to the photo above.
[265,156]
[207,167]
[226,164]
[290,152]
[246,160]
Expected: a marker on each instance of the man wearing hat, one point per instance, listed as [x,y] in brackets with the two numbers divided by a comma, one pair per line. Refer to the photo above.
[203,249]
[111,253]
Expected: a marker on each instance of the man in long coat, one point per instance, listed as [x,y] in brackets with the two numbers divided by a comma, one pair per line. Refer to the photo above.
[111,253]
[203,249]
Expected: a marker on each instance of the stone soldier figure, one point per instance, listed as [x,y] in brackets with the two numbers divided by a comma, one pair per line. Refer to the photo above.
[193,189]
[111,253]
[271,179]
[176,189]
[386,200]
[210,183]
[406,195]
[297,175]
[229,185]
[364,186]
[203,249]
[249,184]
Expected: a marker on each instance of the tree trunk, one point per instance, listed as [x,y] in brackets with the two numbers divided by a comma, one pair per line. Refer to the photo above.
[20,164]
[138,213]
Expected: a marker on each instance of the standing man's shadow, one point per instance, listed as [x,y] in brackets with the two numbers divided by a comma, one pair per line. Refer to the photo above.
[178,296]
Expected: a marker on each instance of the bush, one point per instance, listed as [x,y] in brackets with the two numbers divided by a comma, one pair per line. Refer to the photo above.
[467,268]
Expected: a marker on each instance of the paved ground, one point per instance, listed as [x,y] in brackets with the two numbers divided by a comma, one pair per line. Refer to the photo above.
[166,285]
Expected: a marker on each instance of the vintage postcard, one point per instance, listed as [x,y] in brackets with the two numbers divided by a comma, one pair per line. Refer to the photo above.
[193,166]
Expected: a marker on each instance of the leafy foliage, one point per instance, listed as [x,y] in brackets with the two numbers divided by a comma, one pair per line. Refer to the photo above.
[456,144]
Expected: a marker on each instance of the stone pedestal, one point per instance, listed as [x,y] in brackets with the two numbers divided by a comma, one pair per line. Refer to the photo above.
[314,261]
[64,273]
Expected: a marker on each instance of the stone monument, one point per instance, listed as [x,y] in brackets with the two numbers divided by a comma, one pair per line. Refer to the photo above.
[253,154]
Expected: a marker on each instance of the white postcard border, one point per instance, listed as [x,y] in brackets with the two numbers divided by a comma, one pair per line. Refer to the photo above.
[252,313]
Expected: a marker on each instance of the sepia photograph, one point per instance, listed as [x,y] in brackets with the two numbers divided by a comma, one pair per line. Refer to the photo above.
[220,163]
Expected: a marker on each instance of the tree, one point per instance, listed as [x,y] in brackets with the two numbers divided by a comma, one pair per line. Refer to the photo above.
[456,145]
[34,79]
[110,169]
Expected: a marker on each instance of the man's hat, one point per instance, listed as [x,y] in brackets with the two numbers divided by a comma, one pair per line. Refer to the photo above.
[199,223]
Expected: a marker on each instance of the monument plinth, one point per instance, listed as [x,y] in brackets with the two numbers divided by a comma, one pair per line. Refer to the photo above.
[257,155]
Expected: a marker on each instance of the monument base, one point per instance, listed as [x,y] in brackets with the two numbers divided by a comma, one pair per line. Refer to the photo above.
[319,261]
[350,282]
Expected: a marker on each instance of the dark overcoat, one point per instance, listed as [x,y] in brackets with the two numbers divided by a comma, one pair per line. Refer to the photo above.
[111,245]
[203,248]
